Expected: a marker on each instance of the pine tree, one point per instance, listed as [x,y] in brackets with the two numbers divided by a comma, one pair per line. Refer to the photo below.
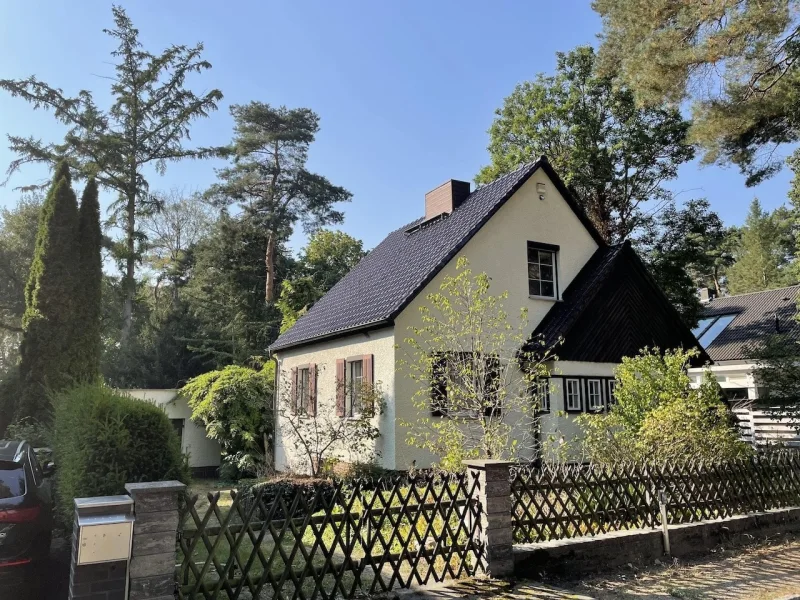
[90,279]
[48,322]
[761,257]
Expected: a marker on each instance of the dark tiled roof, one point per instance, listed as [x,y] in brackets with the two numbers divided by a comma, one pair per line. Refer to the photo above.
[755,320]
[397,269]
[612,309]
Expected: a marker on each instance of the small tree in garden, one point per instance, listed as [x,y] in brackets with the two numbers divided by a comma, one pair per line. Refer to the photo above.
[475,397]
[658,416]
[320,435]
[777,374]
[234,404]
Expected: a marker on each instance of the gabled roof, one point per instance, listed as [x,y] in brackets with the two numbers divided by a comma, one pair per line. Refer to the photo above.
[396,270]
[755,319]
[613,308]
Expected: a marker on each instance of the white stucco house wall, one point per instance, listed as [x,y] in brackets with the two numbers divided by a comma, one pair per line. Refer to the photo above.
[527,232]
[728,328]
[204,453]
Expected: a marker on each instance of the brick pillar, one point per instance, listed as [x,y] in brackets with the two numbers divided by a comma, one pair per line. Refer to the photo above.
[494,497]
[152,571]
[100,581]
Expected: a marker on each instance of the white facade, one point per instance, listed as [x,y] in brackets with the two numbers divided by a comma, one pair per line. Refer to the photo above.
[758,426]
[203,452]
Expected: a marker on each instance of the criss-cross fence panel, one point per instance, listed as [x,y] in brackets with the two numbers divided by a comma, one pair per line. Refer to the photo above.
[558,501]
[366,537]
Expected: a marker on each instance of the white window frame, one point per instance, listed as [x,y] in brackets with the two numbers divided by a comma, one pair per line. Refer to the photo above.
[541,394]
[553,252]
[612,385]
[570,394]
[303,390]
[594,397]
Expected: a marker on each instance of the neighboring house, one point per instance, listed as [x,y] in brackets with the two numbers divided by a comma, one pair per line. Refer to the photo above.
[204,454]
[527,232]
[727,328]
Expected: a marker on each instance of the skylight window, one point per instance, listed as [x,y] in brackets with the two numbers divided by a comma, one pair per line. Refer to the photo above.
[709,328]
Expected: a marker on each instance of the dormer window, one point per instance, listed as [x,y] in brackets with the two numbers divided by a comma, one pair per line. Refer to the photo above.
[542,267]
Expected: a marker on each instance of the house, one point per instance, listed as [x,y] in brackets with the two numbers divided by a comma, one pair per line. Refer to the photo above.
[728,327]
[204,453]
[600,298]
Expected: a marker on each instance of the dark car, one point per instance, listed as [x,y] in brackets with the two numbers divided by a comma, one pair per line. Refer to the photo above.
[26,512]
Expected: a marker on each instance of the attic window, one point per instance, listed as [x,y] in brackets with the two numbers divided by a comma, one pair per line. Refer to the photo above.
[709,328]
[542,276]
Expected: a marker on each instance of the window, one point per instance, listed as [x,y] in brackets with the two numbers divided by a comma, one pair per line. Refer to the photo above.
[541,394]
[709,328]
[542,280]
[303,390]
[456,381]
[12,480]
[572,394]
[594,394]
[177,425]
[35,468]
[612,385]
[355,383]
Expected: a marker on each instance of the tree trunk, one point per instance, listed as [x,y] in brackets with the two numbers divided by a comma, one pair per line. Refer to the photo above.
[129,283]
[269,259]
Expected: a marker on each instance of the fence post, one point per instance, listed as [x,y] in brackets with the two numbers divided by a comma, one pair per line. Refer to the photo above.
[99,564]
[152,571]
[662,505]
[493,487]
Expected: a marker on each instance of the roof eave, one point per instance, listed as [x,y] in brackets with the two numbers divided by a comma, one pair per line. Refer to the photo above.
[333,335]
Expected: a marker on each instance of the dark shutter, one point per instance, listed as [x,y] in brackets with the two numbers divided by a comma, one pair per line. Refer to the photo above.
[368,404]
[340,387]
[492,387]
[294,391]
[438,384]
[311,401]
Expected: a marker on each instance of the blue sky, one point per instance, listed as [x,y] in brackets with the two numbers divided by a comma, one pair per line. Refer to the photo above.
[405,90]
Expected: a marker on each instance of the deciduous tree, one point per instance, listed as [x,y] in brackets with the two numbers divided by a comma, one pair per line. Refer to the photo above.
[614,154]
[269,181]
[145,126]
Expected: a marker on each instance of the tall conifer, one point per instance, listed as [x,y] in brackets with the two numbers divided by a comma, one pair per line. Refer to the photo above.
[48,322]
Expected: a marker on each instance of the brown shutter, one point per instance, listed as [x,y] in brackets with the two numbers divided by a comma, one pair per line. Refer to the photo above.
[293,397]
[311,403]
[340,387]
[366,364]
[438,384]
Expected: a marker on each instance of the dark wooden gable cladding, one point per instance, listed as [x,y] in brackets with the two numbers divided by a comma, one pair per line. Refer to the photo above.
[627,312]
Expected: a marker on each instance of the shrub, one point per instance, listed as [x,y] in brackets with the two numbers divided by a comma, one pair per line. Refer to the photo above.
[285,489]
[32,431]
[9,392]
[103,439]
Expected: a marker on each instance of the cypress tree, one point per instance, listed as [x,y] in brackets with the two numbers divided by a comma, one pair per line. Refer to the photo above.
[48,322]
[89,290]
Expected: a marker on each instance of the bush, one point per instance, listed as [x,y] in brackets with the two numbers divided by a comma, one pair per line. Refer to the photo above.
[9,392]
[285,489]
[32,431]
[103,439]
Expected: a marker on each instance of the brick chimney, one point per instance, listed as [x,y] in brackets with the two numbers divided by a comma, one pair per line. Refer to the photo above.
[446,198]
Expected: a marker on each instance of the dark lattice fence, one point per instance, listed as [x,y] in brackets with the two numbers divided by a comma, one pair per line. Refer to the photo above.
[557,502]
[364,538]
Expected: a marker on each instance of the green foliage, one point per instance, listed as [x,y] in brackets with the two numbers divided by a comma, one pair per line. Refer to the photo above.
[658,417]
[104,439]
[142,131]
[51,302]
[9,396]
[762,255]
[469,365]
[285,490]
[18,231]
[235,406]
[777,375]
[328,256]
[614,154]
[686,250]
[736,60]
[269,181]
[87,343]
[35,433]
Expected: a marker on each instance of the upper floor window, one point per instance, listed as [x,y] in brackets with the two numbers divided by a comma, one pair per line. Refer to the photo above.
[542,276]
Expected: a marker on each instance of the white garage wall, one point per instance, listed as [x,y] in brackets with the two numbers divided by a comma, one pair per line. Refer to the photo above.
[202,451]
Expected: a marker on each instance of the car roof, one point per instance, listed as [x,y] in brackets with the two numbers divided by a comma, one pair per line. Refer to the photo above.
[10,450]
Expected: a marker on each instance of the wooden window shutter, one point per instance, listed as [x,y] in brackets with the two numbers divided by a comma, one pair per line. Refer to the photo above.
[294,391]
[491,387]
[340,387]
[367,370]
[311,401]
[438,384]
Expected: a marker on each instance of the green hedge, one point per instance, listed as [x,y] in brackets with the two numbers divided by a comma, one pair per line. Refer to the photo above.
[103,440]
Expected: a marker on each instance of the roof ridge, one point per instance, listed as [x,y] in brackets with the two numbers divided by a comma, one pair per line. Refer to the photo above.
[794,285]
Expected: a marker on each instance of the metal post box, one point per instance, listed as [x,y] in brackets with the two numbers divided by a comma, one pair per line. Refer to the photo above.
[105,529]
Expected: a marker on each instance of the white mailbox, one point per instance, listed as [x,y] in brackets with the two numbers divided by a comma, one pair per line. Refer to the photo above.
[104,537]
